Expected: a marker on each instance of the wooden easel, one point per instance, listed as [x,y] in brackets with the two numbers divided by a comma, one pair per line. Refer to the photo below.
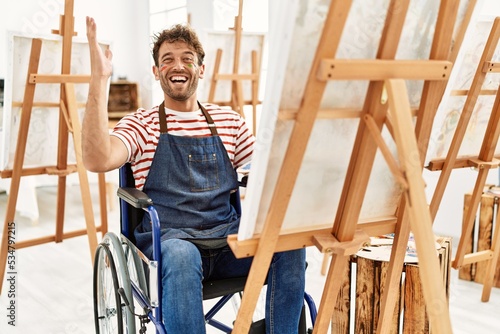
[452,58]
[237,99]
[483,162]
[68,123]
[386,75]
[429,105]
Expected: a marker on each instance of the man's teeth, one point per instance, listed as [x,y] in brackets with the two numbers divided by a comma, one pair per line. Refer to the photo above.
[178,79]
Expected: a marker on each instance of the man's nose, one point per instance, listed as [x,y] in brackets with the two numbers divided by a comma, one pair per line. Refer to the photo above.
[178,64]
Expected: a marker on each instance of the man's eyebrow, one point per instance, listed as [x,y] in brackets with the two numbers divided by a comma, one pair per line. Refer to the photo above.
[166,54]
[191,53]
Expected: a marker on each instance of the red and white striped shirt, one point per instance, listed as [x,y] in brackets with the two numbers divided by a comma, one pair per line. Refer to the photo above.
[140,132]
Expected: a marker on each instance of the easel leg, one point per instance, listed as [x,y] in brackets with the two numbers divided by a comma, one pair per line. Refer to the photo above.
[61,204]
[470,215]
[82,173]
[62,165]
[103,202]
[489,146]
[255,90]
[213,83]
[390,294]
[29,93]
[492,265]
[239,97]
[337,269]
[418,211]
[255,282]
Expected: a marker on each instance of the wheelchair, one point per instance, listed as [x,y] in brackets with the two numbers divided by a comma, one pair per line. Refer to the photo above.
[124,279]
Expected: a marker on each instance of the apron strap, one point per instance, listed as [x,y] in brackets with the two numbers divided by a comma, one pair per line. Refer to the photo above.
[163,119]
[210,121]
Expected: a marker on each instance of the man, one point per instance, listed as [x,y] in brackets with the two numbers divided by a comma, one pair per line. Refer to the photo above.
[184,155]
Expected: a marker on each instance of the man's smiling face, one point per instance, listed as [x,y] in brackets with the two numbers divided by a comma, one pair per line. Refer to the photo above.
[178,70]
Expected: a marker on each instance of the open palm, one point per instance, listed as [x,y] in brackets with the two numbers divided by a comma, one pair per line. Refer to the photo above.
[100,61]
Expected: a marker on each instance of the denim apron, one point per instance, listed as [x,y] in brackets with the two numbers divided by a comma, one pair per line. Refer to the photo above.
[190,182]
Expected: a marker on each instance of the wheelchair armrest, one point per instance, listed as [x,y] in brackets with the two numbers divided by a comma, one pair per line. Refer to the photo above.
[244,181]
[135,197]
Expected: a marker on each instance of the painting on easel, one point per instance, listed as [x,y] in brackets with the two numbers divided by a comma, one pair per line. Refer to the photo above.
[318,187]
[225,41]
[454,99]
[469,135]
[41,148]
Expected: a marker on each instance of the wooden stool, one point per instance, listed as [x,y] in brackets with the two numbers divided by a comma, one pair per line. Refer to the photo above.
[481,240]
[368,274]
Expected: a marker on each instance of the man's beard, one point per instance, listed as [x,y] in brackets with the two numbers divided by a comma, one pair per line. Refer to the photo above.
[179,95]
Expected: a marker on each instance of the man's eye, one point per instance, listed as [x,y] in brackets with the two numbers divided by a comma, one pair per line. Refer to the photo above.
[188,60]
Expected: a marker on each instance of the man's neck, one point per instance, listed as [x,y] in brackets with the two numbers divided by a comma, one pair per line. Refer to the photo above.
[184,106]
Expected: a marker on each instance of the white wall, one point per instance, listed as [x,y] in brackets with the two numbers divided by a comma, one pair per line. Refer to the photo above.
[202,14]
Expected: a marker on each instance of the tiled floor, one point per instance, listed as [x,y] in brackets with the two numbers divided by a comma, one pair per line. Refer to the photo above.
[54,281]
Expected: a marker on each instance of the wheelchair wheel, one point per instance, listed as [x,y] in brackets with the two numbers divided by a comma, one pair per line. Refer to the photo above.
[107,301]
[135,266]
[120,269]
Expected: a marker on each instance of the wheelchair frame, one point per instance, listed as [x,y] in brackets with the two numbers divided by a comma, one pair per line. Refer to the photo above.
[120,278]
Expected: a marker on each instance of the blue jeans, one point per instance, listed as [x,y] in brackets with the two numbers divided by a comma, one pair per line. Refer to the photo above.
[184,267]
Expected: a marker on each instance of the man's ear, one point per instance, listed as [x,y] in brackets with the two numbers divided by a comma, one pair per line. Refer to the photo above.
[202,71]
[155,72]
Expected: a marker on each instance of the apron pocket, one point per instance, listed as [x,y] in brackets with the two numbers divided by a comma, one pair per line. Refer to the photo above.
[203,172]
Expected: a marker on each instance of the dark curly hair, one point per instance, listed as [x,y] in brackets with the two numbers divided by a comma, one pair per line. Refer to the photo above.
[178,33]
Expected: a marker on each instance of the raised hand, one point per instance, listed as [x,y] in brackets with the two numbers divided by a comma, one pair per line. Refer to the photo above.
[100,62]
[100,152]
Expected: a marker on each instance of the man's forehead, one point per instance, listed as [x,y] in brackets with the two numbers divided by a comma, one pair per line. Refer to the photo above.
[175,47]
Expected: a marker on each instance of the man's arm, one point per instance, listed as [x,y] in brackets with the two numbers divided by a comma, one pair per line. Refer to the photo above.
[101,152]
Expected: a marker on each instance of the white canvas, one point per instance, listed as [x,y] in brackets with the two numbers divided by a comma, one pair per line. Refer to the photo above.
[293,38]
[461,78]
[42,139]
[225,40]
